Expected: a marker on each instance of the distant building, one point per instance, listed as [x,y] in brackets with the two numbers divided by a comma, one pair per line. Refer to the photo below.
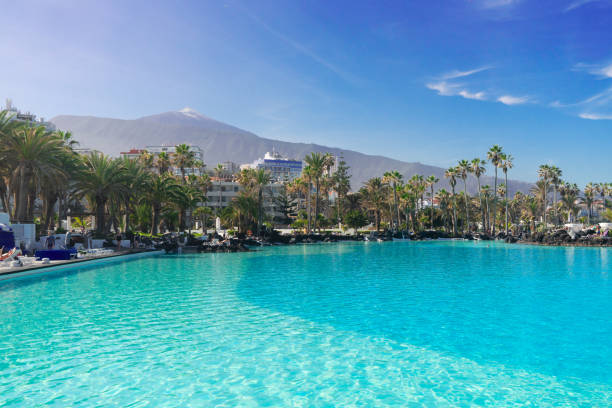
[85,151]
[281,168]
[222,192]
[170,150]
[27,117]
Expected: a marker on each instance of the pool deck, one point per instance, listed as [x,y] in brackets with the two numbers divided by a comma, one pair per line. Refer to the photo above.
[8,273]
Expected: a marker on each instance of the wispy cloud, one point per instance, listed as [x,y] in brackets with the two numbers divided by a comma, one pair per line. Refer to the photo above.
[513,100]
[595,116]
[346,76]
[447,89]
[460,74]
[578,3]
[601,70]
[498,3]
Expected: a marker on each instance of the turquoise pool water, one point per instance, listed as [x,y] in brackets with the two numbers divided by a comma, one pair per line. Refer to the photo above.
[355,324]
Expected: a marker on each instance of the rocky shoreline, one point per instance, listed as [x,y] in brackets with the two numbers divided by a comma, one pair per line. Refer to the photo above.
[244,244]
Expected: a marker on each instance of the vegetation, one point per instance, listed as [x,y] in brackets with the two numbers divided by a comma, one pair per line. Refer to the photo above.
[43,179]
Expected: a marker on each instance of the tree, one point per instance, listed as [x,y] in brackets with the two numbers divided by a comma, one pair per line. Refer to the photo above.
[101,179]
[495,156]
[342,185]
[451,175]
[431,182]
[285,204]
[556,181]
[318,164]
[544,173]
[394,178]
[477,167]
[160,190]
[463,169]
[506,164]
[356,219]
[374,198]
[589,197]
[182,158]
[162,162]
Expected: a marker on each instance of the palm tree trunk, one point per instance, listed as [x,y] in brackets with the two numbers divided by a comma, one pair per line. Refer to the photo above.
[308,205]
[432,209]
[454,213]
[494,203]
[545,202]
[21,196]
[467,205]
[506,174]
[316,209]
[100,212]
[481,206]
[259,211]
[155,219]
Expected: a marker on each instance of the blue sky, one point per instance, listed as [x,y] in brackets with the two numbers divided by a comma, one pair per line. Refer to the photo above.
[429,81]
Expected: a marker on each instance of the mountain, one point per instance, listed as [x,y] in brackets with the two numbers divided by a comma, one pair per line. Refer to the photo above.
[222,142]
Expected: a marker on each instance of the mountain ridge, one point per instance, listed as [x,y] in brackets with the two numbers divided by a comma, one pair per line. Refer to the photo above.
[223,142]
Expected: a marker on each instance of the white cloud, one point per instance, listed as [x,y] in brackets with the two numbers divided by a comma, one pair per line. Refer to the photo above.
[498,3]
[595,116]
[578,3]
[600,70]
[469,95]
[460,74]
[513,100]
[445,89]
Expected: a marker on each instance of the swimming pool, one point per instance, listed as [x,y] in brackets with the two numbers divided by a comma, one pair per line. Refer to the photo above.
[362,324]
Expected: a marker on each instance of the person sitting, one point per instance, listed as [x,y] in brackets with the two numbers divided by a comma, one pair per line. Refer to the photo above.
[50,242]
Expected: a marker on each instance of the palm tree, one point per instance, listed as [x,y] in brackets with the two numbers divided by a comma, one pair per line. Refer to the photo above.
[182,158]
[506,165]
[463,170]
[163,162]
[589,197]
[485,192]
[556,181]
[569,195]
[374,198]
[261,179]
[451,175]
[431,182]
[160,190]
[32,154]
[477,167]
[394,178]
[101,179]
[318,164]
[495,156]
[545,173]
[444,199]
[219,169]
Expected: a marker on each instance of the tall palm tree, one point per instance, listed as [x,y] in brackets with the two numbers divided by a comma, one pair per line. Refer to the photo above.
[163,162]
[477,167]
[506,165]
[556,181]
[318,164]
[589,197]
[160,190]
[495,156]
[374,198]
[444,199]
[463,169]
[101,179]
[261,179]
[183,157]
[545,173]
[431,182]
[569,195]
[394,178]
[451,174]
[219,169]
[32,153]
